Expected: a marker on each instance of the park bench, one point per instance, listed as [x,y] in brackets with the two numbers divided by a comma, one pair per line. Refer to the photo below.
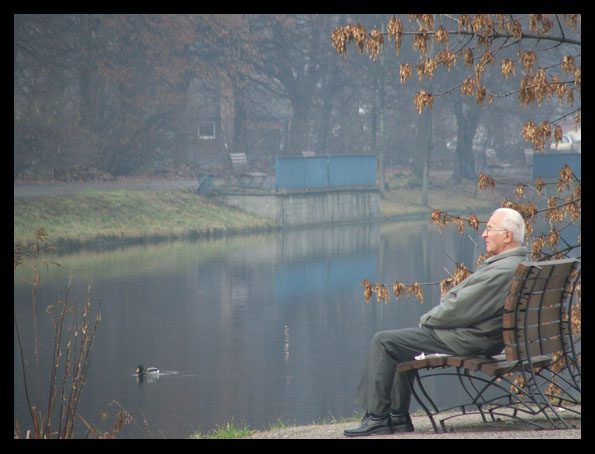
[240,175]
[238,159]
[239,163]
[539,372]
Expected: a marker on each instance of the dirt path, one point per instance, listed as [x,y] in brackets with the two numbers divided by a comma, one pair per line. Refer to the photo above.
[468,426]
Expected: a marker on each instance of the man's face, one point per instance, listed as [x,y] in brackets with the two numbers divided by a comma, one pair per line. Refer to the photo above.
[497,239]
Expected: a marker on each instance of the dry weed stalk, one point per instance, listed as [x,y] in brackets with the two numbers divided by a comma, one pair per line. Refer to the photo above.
[73,339]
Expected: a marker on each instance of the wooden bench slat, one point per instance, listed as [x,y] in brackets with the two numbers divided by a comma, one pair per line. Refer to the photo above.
[430,362]
[542,347]
[476,363]
[531,317]
[495,366]
[498,368]
[531,334]
[535,327]
[457,361]
[437,361]
[546,298]
[535,300]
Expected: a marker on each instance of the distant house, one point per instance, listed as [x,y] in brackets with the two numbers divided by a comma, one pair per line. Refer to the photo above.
[209,130]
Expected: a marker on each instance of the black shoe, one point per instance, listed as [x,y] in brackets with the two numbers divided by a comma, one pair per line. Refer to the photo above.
[370,424]
[401,422]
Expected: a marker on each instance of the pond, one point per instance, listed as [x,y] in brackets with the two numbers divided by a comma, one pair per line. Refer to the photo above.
[256,329]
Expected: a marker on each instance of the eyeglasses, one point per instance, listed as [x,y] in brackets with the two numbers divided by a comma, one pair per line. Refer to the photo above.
[493,229]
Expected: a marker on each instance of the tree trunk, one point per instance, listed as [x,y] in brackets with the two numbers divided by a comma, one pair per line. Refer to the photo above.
[325,112]
[423,143]
[299,130]
[381,148]
[240,117]
[467,122]
[427,149]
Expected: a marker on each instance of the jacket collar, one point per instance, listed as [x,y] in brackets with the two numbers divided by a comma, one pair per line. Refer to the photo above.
[517,251]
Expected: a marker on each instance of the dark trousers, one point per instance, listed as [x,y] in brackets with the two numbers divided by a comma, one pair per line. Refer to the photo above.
[383,388]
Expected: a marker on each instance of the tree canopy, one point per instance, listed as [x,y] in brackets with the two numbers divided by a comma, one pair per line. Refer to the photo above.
[545,48]
[123,92]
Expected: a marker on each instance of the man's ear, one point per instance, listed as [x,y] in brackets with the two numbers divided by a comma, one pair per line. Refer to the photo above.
[508,237]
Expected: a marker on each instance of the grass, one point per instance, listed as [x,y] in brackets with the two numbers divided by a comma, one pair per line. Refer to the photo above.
[231,431]
[126,215]
[404,197]
[226,431]
[96,217]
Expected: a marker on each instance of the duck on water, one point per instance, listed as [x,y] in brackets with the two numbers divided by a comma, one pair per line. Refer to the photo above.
[140,370]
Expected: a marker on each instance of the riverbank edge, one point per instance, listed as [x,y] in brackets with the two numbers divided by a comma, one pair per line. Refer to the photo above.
[215,233]
[388,207]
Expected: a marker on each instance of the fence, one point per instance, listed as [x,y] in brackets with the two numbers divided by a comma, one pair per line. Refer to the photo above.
[306,172]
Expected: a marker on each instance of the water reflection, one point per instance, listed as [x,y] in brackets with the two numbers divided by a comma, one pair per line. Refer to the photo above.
[258,329]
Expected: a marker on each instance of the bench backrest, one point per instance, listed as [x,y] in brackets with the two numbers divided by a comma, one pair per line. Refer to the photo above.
[536,314]
[239,163]
[238,158]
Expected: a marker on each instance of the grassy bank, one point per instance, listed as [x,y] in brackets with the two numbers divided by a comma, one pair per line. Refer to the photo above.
[404,196]
[91,217]
[127,216]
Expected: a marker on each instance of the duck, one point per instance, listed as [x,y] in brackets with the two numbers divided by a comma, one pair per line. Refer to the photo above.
[140,370]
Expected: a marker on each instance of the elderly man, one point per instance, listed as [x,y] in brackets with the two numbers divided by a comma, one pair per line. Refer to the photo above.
[467,321]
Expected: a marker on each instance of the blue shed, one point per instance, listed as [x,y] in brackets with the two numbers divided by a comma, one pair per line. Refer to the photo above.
[307,172]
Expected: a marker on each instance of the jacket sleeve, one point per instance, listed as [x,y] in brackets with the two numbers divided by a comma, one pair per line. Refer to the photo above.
[480,297]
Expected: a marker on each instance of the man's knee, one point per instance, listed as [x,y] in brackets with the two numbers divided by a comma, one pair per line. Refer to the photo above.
[380,338]
[384,341]
[400,344]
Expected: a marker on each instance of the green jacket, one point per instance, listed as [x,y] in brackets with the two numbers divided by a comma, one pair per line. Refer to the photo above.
[469,316]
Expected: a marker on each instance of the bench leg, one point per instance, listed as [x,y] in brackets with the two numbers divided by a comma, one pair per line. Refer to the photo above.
[509,399]
[537,395]
[477,396]
[413,377]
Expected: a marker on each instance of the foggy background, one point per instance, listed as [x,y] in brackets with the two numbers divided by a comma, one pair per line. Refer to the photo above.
[173,95]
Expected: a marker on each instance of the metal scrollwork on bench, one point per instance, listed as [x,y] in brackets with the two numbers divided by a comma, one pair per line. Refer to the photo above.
[539,372]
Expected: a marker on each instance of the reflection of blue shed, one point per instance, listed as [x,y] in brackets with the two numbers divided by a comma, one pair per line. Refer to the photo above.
[325,171]
[548,165]
[319,276]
